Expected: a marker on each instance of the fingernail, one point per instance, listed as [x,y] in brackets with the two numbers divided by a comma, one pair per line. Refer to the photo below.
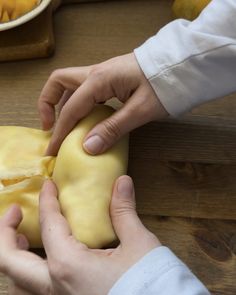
[125,186]
[94,144]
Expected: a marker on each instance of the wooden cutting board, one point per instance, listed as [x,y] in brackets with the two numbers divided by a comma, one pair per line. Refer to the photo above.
[33,39]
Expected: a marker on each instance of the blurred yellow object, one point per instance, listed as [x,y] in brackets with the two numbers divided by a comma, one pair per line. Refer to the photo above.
[23,169]
[84,182]
[188,9]
[12,9]
[5,17]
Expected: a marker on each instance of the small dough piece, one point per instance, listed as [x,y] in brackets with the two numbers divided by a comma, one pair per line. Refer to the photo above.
[85,182]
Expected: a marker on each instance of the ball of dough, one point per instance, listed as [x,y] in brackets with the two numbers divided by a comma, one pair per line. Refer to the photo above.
[85,182]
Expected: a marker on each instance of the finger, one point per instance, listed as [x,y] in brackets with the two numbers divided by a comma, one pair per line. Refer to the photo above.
[125,220]
[13,289]
[54,227]
[58,82]
[12,217]
[22,242]
[25,268]
[78,106]
[137,111]
[65,97]
[8,225]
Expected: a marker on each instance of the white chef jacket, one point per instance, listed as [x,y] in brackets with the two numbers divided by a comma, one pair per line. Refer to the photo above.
[187,64]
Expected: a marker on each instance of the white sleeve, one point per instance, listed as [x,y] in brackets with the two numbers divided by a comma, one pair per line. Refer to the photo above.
[189,63]
[159,272]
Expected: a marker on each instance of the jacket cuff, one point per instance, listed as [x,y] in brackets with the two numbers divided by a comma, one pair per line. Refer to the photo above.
[158,272]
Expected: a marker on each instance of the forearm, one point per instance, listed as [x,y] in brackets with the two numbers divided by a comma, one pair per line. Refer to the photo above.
[189,63]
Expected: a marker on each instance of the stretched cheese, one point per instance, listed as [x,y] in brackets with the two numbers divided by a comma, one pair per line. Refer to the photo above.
[84,182]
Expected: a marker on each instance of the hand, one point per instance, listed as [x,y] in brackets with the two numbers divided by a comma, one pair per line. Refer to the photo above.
[77,90]
[71,267]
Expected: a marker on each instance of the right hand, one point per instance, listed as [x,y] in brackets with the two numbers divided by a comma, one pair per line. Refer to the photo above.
[77,90]
[71,267]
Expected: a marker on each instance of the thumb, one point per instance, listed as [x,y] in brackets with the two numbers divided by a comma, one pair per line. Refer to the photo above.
[142,107]
[121,122]
[125,220]
[105,134]
[25,268]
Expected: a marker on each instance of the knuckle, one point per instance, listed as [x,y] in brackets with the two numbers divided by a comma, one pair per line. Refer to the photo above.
[101,80]
[98,77]
[127,208]
[112,129]
[59,269]
[42,106]
[97,71]
[55,74]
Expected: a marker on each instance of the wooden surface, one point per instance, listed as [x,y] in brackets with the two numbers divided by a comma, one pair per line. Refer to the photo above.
[33,39]
[184,171]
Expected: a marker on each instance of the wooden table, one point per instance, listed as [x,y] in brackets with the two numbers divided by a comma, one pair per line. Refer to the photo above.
[184,170]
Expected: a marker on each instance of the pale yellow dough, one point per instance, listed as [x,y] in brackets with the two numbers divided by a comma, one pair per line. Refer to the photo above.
[23,168]
[84,181]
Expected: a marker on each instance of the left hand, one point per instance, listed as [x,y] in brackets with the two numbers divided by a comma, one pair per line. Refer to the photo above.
[71,267]
[77,90]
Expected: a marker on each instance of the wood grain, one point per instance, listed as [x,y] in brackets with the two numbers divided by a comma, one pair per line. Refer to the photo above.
[208,247]
[184,189]
[197,139]
[184,171]
[34,39]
